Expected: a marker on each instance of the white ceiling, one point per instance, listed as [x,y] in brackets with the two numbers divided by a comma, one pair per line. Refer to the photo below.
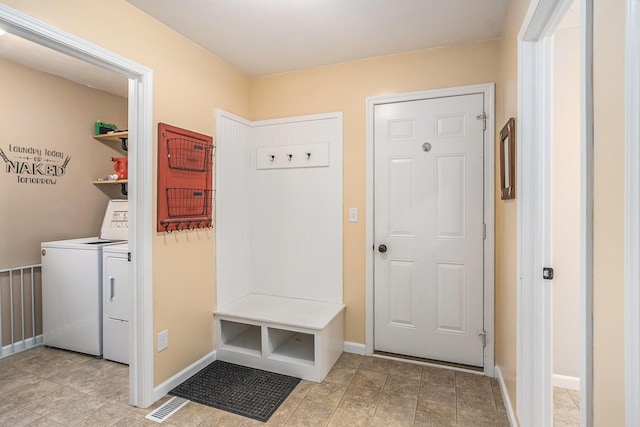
[262,37]
[37,57]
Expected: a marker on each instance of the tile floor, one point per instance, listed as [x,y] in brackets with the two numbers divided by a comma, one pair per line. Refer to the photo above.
[566,407]
[49,387]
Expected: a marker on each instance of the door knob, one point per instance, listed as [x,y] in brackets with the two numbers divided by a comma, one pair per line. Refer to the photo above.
[382,249]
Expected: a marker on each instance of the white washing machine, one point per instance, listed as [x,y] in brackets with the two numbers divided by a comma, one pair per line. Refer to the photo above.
[72,284]
[116,302]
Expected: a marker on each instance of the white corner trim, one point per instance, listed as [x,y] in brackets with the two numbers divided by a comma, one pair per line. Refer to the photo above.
[565,381]
[354,347]
[632,221]
[505,397]
[488,90]
[183,375]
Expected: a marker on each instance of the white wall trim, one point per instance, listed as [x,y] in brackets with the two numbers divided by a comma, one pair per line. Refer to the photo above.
[488,90]
[354,347]
[505,398]
[534,296]
[140,189]
[632,221]
[565,381]
[168,385]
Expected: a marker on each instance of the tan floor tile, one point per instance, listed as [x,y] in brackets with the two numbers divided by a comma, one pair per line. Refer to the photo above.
[565,410]
[43,422]
[394,411]
[438,393]
[284,412]
[311,412]
[348,418]
[106,415]
[222,419]
[16,416]
[440,376]
[407,388]
[33,392]
[368,379]
[467,380]
[470,418]
[360,400]
[302,389]
[71,413]
[405,369]
[476,399]
[17,382]
[63,396]
[375,364]
[340,374]
[428,412]
[350,360]
[562,399]
[191,414]
[575,396]
[330,393]
[248,422]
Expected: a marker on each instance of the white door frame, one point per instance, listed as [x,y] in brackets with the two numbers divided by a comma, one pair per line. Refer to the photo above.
[535,97]
[487,90]
[632,221]
[140,188]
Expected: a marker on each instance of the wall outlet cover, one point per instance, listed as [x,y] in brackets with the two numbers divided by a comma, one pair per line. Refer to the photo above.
[163,340]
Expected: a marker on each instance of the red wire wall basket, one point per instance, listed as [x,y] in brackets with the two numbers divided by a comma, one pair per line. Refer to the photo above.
[185,179]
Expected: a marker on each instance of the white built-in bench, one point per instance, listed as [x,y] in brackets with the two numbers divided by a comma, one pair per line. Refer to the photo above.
[296,337]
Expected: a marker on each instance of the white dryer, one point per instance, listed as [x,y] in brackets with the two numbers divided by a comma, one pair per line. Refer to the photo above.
[116,302]
[72,284]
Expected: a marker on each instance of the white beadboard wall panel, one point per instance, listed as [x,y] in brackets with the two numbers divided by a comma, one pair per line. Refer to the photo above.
[297,220]
[280,232]
[233,208]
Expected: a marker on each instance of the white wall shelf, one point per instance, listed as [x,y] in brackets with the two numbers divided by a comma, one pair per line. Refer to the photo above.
[290,336]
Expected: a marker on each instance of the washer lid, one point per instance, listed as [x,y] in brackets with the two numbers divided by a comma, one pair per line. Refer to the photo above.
[115,225]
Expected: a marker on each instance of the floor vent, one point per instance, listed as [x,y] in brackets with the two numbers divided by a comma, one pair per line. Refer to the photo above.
[165,411]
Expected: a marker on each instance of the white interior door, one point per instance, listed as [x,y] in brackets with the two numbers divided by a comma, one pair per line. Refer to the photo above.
[429,186]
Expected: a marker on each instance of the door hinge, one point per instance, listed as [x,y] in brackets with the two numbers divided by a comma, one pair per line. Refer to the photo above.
[483,336]
[483,117]
[129,256]
[547,273]
[484,231]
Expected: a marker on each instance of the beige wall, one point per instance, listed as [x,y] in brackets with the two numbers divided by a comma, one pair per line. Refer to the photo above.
[506,251]
[566,203]
[345,87]
[189,84]
[609,213]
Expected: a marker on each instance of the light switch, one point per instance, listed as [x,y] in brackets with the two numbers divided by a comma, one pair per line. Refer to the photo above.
[353,214]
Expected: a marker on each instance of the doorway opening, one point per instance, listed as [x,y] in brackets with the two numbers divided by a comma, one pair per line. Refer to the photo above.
[140,191]
[535,211]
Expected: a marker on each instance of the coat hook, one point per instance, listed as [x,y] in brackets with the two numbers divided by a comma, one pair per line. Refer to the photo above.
[308,155]
[290,156]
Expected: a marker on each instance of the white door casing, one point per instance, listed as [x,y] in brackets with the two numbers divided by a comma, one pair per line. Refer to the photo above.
[534,338]
[429,214]
[404,265]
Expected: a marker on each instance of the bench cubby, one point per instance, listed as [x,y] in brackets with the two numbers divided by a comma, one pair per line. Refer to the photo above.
[289,336]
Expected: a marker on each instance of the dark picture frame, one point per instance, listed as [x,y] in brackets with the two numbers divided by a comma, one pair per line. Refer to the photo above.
[508,160]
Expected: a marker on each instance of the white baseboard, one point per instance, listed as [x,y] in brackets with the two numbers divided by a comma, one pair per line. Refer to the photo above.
[505,397]
[565,381]
[354,347]
[183,375]
[8,350]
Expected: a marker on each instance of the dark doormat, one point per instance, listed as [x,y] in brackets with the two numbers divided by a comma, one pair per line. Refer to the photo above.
[233,388]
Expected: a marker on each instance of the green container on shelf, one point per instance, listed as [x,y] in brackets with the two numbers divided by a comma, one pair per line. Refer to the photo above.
[101,128]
